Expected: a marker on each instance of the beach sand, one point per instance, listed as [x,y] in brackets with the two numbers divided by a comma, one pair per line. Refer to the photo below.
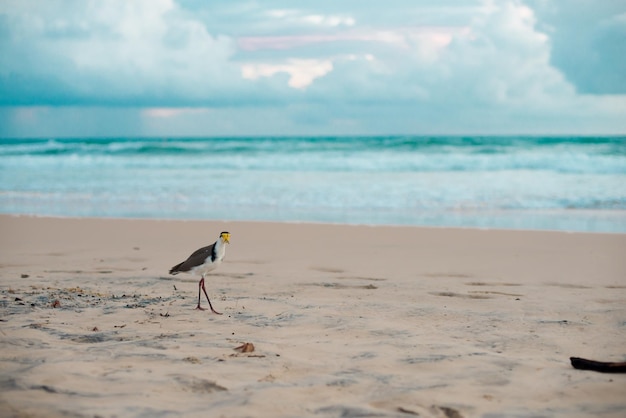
[346,321]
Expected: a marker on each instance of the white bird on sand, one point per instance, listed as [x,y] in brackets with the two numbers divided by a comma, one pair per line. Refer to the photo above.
[202,261]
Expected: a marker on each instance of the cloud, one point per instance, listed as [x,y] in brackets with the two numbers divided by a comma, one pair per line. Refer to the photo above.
[500,58]
[170,112]
[587,40]
[301,72]
[296,17]
[126,53]
[397,37]
[479,66]
[493,76]
[506,61]
[69,121]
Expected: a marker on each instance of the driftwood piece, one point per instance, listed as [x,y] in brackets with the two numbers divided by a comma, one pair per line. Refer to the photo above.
[598,366]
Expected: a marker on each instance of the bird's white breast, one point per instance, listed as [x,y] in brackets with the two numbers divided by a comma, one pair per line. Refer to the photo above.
[209,265]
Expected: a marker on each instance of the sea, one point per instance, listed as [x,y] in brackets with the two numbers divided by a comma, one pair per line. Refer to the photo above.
[529,183]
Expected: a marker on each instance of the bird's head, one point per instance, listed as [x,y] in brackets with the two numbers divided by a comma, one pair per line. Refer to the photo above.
[225,236]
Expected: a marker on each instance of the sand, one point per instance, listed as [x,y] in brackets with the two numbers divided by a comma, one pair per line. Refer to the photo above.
[345,321]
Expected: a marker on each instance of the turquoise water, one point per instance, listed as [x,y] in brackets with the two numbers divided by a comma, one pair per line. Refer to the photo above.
[576,184]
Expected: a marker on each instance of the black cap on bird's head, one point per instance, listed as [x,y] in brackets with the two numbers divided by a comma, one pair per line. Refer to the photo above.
[225,236]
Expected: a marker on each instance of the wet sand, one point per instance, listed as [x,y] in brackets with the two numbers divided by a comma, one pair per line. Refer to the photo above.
[345,321]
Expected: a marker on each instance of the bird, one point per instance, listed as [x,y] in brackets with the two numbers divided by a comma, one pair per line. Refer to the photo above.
[202,261]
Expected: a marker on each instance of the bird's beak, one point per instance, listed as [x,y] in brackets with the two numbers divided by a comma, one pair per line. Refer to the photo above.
[226,238]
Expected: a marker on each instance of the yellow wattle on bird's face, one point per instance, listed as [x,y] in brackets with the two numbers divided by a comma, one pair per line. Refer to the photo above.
[225,237]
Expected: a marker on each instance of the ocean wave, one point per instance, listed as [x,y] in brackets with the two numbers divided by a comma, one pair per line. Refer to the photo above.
[396,154]
[481,145]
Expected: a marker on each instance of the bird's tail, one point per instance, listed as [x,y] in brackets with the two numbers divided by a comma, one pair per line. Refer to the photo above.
[174,270]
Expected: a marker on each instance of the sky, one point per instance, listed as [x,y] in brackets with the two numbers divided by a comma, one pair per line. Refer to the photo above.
[163,68]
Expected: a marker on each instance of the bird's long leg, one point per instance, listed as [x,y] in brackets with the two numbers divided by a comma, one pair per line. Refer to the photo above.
[200,286]
[207,298]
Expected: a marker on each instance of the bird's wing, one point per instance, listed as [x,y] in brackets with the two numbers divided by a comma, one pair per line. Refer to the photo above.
[195,259]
